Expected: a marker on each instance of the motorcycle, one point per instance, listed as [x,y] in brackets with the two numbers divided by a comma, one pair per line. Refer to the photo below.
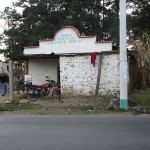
[56,90]
[36,91]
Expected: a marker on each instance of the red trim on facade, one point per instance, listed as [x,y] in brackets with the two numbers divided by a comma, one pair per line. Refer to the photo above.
[71,27]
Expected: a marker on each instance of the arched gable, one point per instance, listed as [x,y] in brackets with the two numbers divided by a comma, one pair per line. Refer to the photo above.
[69,40]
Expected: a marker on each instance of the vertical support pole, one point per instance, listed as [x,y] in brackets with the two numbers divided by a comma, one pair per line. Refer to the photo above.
[26,66]
[98,75]
[123,57]
[98,81]
[11,87]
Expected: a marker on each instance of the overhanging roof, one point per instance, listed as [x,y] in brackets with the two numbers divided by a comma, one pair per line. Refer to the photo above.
[38,56]
[34,56]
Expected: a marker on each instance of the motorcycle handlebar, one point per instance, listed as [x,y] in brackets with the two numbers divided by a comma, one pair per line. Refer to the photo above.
[51,81]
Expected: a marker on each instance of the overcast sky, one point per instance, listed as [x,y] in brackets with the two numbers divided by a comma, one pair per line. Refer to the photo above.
[3,4]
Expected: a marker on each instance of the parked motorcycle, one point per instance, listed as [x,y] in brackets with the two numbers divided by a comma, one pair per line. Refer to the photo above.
[56,90]
[36,91]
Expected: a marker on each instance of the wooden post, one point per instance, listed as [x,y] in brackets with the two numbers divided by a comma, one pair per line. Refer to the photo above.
[11,86]
[98,81]
[26,66]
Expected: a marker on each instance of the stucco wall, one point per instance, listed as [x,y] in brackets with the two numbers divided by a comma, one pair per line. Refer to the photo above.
[109,81]
[78,76]
[40,68]
[3,67]
[67,41]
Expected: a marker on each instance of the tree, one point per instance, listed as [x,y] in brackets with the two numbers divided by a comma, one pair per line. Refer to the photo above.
[139,19]
[40,19]
[142,48]
[112,21]
[11,32]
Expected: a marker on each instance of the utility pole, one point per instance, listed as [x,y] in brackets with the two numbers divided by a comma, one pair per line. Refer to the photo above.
[123,57]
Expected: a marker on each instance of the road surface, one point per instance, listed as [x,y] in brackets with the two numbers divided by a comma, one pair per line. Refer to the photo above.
[75,132]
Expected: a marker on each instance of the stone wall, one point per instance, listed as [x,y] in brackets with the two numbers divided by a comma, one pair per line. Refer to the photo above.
[79,77]
[109,81]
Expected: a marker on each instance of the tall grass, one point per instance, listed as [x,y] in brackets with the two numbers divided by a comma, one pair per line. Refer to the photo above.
[141,97]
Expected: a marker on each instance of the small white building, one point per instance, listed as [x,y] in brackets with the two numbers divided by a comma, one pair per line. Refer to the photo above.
[80,63]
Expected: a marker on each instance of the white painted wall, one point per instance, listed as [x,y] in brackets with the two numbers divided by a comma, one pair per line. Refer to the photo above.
[110,73]
[78,76]
[40,68]
[3,67]
[67,41]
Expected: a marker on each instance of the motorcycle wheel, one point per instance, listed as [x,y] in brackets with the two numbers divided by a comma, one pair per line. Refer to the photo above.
[46,92]
[32,95]
[56,93]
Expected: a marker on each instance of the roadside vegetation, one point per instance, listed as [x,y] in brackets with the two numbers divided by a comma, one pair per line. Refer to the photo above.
[141,97]
[15,107]
[139,102]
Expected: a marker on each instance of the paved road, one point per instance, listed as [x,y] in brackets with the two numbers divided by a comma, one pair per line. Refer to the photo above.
[74,133]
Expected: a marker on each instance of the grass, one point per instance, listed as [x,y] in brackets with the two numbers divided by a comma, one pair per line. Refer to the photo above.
[141,97]
[81,108]
[23,106]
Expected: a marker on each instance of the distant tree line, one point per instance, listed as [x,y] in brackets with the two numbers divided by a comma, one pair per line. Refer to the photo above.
[40,19]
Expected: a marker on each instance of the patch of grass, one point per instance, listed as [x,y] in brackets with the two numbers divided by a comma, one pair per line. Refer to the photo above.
[141,97]
[21,96]
[14,107]
[79,109]
[88,110]
[120,110]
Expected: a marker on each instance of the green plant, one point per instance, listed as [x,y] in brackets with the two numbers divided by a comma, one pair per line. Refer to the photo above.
[23,106]
[141,97]
[23,96]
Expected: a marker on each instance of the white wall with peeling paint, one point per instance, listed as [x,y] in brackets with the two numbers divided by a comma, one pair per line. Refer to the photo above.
[79,77]
[109,81]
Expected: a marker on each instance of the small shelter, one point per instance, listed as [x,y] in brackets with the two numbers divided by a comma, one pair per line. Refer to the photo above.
[82,65]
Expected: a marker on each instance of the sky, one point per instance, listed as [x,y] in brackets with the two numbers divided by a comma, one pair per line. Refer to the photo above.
[3,4]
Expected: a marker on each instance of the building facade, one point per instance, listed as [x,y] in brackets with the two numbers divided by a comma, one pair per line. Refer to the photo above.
[81,64]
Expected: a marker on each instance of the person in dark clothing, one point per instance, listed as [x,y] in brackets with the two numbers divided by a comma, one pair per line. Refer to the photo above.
[3,84]
[7,83]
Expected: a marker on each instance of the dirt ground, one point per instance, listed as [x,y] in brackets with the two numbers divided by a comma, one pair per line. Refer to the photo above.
[64,106]
[73,105]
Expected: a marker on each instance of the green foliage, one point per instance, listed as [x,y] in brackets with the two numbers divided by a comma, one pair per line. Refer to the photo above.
[40,19]
[141,46]
[81,108]
[139,19]
[14,107]
[22,96]
[141,97]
